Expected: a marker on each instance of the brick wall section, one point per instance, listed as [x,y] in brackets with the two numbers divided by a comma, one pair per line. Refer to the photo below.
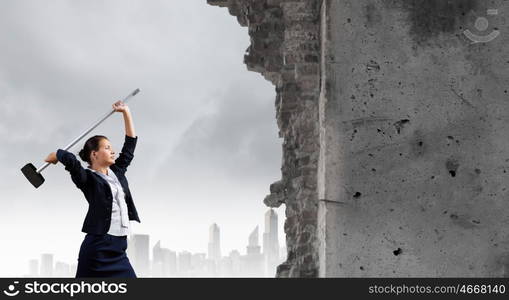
[285,49]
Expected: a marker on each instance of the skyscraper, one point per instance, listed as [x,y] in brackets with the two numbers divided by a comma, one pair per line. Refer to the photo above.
[33,268]
[236,267]
[271,243]
[46,265]
[184,263]
[164,261]
[139,254]
[171,258]
[214,252]
[157,260]
[62,269]
[198,264]
[72,269]
[252,263]
[252,246]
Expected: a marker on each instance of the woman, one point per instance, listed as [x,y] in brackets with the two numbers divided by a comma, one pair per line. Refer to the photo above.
[102,252]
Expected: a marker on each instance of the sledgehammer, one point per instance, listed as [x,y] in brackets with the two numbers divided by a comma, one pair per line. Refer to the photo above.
[34,175]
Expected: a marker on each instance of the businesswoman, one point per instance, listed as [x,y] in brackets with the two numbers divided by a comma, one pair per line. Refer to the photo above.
[110,204]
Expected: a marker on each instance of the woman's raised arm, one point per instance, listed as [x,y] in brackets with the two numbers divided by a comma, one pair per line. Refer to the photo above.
[128,119]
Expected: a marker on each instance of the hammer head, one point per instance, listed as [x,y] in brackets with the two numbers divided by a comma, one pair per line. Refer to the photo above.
[31,174]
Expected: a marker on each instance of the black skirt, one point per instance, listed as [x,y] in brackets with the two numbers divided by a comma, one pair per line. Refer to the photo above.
[104,256]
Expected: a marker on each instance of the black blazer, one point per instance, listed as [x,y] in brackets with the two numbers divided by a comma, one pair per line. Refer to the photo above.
[97,191]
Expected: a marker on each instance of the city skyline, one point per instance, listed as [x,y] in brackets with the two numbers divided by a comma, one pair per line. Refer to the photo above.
[165,262]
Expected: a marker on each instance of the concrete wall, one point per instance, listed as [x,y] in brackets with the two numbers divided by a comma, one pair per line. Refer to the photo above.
[394,126]
[414,148]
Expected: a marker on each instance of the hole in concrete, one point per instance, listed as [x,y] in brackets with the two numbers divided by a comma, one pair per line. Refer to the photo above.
[353,134]
[357,195]
[478,171]
[361,267]
[452,166]
[399,124]
[397,251]
[373,66]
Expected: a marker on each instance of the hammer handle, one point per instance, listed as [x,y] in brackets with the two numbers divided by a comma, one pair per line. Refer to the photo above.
[87,131]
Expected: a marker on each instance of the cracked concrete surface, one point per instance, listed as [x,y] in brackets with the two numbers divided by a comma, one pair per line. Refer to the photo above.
[394,127]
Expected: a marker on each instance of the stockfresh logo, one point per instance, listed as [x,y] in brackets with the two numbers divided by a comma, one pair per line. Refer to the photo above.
[69,288]
[11,290]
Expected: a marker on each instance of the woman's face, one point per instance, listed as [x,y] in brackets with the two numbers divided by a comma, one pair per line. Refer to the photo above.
[105,156]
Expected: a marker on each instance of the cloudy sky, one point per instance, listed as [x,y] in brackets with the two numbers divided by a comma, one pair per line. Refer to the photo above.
[208,145]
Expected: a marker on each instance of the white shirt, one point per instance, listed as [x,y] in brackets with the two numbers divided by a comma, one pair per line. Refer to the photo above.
[119,219]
